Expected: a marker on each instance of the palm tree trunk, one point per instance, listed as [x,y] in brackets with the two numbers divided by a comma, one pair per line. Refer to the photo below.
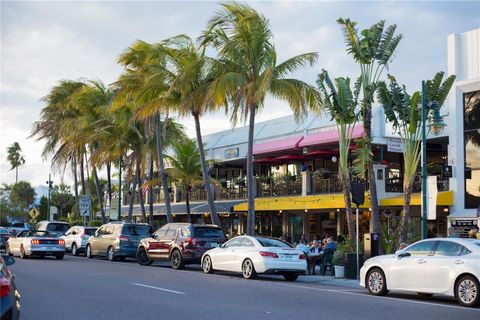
[161,166]
[109,183]
[16,175]
[367,134]
[75,182]
[82,175]
[250,187]
[187,204]
[150,193]
[402,232]
[88,185]
[132,197]
[140,193]
[208,187]
[99,196]
[348,204]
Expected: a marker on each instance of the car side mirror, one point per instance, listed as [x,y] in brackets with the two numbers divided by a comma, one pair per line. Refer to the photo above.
[96,233]
[222,245]
[401,254]
[8,260]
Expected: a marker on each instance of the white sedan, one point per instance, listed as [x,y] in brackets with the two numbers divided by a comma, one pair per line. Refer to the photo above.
[255,255]
[36,243]
[446,266]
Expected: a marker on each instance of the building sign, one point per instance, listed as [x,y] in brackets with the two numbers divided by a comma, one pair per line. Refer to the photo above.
[395,145]
[432,193]
[447,171]
[231,153]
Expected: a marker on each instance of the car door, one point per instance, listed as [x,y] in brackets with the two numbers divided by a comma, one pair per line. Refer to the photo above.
[68,237]
[95,241]
[446,263]
[107,239]
[15,242]
[224,257]
[155,248]
[409,272]
[168,242]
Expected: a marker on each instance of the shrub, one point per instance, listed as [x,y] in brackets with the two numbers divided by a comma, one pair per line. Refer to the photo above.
[95,223]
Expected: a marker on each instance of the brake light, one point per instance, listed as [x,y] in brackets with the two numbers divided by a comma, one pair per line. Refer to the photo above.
[62,242]
[35,241]
[4,287]
[268,254]
[123,238]
[302,257]
[191,241]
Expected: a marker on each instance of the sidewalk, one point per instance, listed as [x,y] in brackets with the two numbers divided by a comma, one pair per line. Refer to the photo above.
[329,280]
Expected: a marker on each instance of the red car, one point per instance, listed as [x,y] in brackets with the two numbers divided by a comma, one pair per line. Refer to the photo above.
[181,243]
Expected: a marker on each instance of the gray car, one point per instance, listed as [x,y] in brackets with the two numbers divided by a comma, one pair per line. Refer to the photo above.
[4,236]
[117,240]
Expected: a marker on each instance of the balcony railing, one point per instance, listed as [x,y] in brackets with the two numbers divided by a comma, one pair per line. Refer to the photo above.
[281,186]
[396,184]
[330,184]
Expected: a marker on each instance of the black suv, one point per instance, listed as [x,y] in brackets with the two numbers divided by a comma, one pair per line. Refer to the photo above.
[181,243]
[117,240]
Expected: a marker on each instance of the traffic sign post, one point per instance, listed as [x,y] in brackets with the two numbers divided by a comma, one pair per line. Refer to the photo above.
[85,206]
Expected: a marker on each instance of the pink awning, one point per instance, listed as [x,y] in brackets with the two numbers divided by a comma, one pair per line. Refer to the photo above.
[326,137]
[277,145]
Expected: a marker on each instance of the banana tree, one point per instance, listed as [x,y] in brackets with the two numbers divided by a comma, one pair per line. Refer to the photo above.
[403,112]
[341,103]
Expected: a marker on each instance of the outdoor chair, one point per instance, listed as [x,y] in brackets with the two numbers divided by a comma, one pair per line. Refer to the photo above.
[327,262]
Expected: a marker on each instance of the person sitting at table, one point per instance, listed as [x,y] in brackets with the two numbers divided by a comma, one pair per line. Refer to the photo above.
[314,255]
[330,244]
[315,249]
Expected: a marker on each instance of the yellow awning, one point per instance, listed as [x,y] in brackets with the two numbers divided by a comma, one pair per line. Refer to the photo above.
[444,198]
[324,201]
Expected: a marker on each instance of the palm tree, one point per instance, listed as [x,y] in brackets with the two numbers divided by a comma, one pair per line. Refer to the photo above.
[186,168]
[402,111]
[192,74]
[342,105]
[372,49]
[15,158]
[245,45]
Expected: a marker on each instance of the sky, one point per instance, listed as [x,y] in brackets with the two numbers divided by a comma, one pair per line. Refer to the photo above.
[43,42]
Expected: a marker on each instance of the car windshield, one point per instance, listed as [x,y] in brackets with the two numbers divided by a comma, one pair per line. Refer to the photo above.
[58,227]
[268,242]
[90,231]
[137,230]
[38,233]
[17,225]
[202,232]
[3,230]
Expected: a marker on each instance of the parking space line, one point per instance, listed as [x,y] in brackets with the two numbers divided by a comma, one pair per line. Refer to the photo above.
[157,288]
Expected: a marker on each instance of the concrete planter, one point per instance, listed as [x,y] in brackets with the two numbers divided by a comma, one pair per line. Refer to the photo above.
[339,271]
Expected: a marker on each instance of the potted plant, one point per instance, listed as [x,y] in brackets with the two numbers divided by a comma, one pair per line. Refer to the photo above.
[338,262]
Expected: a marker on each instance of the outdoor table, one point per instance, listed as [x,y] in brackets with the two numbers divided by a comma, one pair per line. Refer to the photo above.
[312,260]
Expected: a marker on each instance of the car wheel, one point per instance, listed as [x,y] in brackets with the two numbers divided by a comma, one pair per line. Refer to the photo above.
[7,250]
[177,260]
[88,252]
[110,254]
[59,257]
[290,276]
[248,270]
[207,265]
[376,282]
[74,249]
[23,255]
[142,257]
[467,291]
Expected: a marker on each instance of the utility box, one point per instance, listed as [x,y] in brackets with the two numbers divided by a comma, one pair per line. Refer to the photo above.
[371,245]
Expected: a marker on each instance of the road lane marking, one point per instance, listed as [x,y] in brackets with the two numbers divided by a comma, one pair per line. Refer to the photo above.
[353,293]
[157,288]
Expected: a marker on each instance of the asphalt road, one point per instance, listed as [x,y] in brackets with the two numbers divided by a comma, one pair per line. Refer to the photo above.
[78,288]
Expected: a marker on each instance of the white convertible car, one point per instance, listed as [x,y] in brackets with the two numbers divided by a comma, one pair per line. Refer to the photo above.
[36,243]
[446,266]
[255,255]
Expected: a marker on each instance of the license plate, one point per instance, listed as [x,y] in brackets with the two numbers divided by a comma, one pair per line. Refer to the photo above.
[287,257]
[213,244]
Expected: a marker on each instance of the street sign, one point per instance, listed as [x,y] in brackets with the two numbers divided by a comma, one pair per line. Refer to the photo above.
[85,205]
[34,213]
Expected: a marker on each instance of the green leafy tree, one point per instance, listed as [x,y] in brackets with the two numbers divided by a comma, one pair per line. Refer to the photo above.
[341,103]
[15,158]
[244,41]
[372,49]
[62,198]
[402,111]
[22,196]
[43,209]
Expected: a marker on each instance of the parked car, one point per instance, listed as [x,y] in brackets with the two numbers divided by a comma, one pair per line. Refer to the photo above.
[76,238]
[36,243]
[181,243]
[446,266]
[9,295]
[117,240]
[4,236]
[54,228]
[15,227]
[256,255]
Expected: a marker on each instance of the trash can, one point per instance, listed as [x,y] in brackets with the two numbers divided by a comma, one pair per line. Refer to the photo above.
[351,265]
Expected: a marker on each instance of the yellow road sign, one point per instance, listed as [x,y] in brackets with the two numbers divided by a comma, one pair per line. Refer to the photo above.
[34,213]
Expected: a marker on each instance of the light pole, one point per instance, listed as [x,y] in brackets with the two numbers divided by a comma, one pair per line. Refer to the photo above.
[49,183]
[436,126]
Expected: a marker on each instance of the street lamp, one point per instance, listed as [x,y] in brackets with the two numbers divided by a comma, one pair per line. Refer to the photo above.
[49,183]
[436,126]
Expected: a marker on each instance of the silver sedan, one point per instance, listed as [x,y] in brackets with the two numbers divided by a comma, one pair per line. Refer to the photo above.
[36,243]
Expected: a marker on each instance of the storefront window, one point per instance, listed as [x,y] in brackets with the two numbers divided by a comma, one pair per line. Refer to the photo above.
[472,149]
